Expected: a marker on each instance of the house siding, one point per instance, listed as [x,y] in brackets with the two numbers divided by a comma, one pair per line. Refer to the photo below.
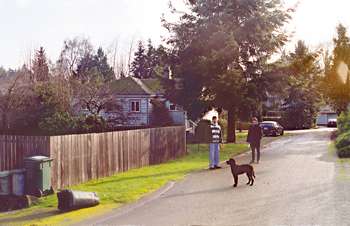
[140,118]
[143,118]
[178,117]
[326,113]
[322,119]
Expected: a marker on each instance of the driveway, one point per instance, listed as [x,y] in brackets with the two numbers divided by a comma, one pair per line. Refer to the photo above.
[298,182]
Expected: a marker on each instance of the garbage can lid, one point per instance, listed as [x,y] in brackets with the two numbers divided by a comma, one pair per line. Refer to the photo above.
[38,158]
[5,173]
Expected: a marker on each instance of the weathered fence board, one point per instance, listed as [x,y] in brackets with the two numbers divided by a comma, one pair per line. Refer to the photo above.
[13,149]
[79,158]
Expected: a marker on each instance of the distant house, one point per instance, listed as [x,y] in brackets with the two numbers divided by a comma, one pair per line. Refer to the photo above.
[272,107]
[326,113]
[134,97]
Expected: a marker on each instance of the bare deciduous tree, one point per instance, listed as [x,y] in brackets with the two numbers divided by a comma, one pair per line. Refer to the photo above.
[95,96]
[13,98]
[73,51]
[130,53]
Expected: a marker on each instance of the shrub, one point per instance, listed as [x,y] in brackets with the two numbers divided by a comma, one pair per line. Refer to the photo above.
[160,114]
[344,152]
[94,124]
[342,144]
[59,123]
[343,122]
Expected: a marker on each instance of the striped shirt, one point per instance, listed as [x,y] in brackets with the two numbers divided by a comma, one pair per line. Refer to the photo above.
[216,133]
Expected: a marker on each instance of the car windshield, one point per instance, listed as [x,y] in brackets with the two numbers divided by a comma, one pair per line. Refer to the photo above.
[267,124]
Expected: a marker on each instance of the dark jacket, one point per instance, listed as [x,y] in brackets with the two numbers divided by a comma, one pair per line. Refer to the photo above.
[254,134]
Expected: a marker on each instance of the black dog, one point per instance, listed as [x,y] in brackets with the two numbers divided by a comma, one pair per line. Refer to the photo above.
[241,169]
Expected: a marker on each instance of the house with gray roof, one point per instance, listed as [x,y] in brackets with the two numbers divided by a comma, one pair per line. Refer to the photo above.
[134,96]
[325,114]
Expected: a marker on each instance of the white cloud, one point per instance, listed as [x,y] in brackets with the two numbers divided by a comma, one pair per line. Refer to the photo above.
[22,3]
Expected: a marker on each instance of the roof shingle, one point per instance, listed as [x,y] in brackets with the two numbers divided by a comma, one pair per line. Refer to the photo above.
[134,86]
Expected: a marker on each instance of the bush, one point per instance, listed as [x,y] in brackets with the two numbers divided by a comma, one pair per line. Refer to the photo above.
[342,144]
[59,123]
[343,140]
[297,120]
[94,124]
[343,122]
[344,152]
[160,114]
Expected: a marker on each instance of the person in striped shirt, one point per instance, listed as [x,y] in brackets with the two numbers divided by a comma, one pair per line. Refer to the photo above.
[214,148]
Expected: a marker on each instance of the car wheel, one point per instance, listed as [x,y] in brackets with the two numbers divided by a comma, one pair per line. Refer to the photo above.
[282,133]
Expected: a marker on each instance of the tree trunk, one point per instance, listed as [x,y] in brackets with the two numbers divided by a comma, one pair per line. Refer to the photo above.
[231,126]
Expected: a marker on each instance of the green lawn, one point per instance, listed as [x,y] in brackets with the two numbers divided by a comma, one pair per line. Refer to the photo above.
[122,188]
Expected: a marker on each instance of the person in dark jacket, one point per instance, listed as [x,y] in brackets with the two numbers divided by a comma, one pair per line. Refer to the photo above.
[254,138]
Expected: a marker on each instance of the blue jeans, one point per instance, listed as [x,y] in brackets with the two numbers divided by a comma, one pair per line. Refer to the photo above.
[214,158]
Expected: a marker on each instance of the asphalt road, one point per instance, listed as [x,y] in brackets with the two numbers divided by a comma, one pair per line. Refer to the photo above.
[298,182]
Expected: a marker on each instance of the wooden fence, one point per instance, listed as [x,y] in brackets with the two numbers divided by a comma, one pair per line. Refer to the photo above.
[14,148]
[79,158]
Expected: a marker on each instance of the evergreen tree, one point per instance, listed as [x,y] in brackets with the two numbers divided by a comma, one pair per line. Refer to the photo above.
[337,83]
[139,65]
[302,100]
[162,59]
[101,63]
[40,68]
[341,52]
[95,66]
[84,68]
[222,48]
[151,62]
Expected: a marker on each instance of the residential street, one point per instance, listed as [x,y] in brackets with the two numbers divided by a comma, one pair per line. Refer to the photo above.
[298,182]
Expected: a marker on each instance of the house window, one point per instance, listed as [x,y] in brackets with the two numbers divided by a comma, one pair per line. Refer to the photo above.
[172,107]
[135,106]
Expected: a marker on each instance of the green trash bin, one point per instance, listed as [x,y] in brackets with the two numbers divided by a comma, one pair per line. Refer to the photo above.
[38,175]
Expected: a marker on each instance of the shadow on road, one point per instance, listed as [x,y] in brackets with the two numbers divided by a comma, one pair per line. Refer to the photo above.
[41,215]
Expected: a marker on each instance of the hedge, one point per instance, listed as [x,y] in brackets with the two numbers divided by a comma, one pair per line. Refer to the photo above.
[342,142]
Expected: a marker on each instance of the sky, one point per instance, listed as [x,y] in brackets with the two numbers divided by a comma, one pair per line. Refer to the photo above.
[28,24]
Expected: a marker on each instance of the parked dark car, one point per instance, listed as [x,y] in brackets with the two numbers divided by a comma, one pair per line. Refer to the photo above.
[332,123]
[271,128]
